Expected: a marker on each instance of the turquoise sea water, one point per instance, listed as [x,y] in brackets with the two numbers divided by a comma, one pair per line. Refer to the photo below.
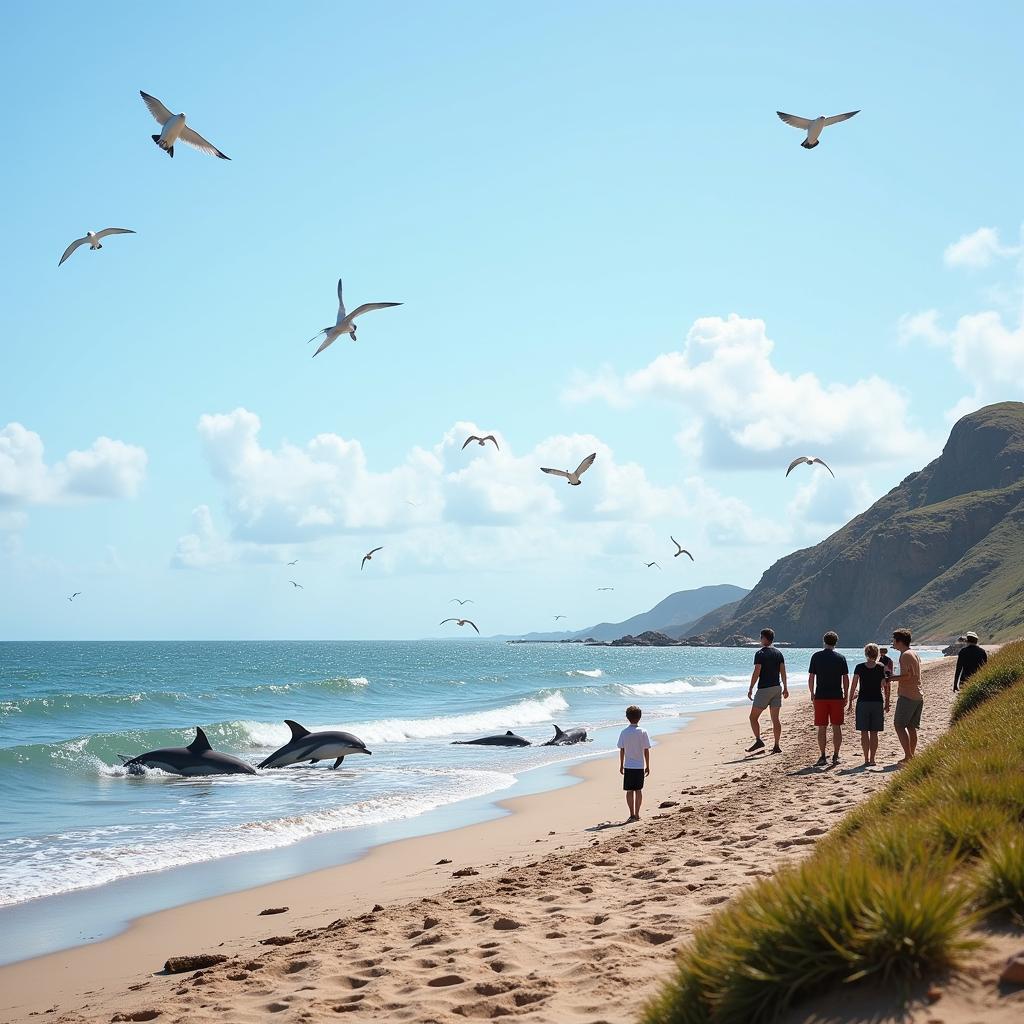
[73,820]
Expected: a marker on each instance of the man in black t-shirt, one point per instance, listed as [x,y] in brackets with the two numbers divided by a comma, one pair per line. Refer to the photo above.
[828,679]
[969,660]
[769,676]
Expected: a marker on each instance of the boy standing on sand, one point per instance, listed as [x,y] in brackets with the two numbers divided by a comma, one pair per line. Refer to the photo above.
[634,761]
[770,677]
[910,699]
[828,679]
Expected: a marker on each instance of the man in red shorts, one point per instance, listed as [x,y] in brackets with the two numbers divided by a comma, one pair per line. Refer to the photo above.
[828,679]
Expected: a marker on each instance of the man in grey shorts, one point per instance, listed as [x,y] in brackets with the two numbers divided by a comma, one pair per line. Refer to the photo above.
[906,719]
[769,676]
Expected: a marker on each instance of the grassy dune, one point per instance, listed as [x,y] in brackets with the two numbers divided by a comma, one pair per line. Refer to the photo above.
[894,893]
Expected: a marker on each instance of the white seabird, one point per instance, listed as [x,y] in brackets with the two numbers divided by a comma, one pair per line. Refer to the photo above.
[93,238]
[813,126]
[173,128]
[345,323]
[574,476]
[810,460]
[461,622]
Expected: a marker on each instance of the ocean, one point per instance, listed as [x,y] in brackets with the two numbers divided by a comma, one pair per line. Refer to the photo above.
[72,819]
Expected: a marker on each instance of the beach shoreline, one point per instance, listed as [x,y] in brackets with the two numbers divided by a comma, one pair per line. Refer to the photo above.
[699,770]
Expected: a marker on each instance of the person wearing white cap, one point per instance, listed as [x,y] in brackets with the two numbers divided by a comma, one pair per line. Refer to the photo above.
[971,658]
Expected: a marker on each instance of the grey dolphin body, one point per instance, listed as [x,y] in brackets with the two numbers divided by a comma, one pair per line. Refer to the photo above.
[564,738]
[198,758]
[314,746]
[510,739]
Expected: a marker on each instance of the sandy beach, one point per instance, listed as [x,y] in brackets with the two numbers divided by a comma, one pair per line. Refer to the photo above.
[556,912]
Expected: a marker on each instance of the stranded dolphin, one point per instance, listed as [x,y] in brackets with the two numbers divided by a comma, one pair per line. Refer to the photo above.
[566,737]
[314,746]
[510,739]
[198,758]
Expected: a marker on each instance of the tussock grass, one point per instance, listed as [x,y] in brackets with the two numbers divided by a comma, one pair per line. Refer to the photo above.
[893,892]
[999,882]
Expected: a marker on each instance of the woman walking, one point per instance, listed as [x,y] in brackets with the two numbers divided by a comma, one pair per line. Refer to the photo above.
[870,678]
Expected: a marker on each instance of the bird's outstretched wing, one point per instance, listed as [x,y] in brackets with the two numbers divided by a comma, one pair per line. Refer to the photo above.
[802,123]
[470,622]
[71,248]
[825,464]
[366,307]
[114,231]
[835,119]
[160,113]
[374,551]
[555,472]
[443,621]
[586,464]
[683,551]
[369,555]
[298,586]
[193,138]
[797,462]
[493,440]
[472,437]
[341,305]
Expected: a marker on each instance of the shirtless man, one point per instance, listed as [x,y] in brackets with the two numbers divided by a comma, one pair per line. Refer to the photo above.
[909,698]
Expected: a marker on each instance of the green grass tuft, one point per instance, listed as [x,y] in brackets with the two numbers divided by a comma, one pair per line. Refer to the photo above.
[888,895]
[999,883]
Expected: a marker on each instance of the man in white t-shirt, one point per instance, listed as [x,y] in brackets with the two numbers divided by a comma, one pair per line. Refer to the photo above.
[634,761]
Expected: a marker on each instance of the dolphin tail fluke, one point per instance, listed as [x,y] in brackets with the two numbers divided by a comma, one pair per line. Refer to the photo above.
[200,743]
[337,763]
[298,731]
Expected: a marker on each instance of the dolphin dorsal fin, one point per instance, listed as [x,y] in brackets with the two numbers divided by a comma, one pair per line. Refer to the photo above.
[558,732]
[200,743]
[298,731]
[510,733]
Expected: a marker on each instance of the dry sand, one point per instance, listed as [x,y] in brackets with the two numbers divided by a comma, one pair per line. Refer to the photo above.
[561,919]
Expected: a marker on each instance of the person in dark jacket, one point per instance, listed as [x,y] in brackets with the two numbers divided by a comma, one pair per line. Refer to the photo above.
[971,658]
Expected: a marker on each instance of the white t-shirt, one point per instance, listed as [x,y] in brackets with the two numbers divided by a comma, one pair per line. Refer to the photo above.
[634,741]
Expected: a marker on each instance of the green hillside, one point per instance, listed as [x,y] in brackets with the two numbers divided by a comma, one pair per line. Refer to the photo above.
[941,553]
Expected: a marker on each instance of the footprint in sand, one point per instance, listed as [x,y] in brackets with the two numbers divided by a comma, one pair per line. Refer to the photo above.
[446,981]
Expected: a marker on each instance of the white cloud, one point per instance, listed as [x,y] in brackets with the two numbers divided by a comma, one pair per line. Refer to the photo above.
[740,408]
[978,250]
[106,469]
[922,326]
[473,509]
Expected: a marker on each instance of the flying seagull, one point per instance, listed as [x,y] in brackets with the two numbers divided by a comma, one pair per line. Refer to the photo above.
[296,562]
[173,128]
[93,238]
[480,440]
[813,126]
[458,600]
[681,551]
[810,460]
[574,476]
[297,586]
[461,622]
[368,557]
[77,593]
[346,322]
[605,588]
[557,617]
[414,504]
[651,565]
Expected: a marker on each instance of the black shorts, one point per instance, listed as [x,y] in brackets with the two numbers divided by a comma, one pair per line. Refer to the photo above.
[633,778]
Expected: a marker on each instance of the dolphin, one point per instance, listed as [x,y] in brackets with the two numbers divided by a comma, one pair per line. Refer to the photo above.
[566,737]
[510,739]
[314,746]
[198,758]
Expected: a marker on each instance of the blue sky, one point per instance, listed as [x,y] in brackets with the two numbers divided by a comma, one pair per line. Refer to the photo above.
[571,200]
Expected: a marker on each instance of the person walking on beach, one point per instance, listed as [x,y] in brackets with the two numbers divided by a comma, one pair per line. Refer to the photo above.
[906,719]
[634,761]
[969,660]
[885,661]
[870,678]
[769,676]
[828,680]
